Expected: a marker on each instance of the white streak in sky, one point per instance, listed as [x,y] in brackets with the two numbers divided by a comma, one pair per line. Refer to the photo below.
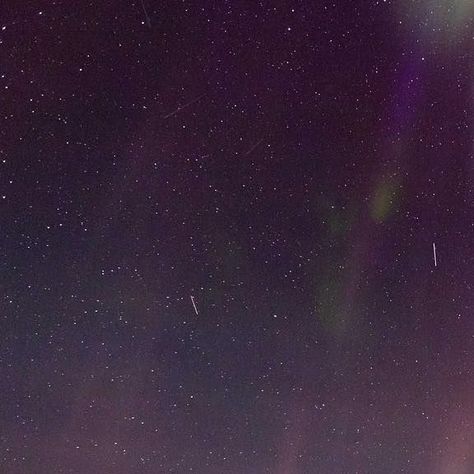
[147,18]
[252,148]
[194,305]
[434,255]
[181,107]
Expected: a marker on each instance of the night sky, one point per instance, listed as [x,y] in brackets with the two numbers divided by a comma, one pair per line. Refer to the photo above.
[237,237]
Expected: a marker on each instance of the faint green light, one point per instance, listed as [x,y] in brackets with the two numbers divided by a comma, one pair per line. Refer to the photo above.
[383,201]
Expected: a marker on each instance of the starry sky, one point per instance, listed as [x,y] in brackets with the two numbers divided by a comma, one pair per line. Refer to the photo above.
[237,237]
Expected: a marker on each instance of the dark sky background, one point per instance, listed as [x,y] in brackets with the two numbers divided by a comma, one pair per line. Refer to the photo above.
[293,167]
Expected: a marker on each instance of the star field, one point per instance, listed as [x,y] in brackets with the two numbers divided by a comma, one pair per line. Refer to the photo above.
[236,237]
